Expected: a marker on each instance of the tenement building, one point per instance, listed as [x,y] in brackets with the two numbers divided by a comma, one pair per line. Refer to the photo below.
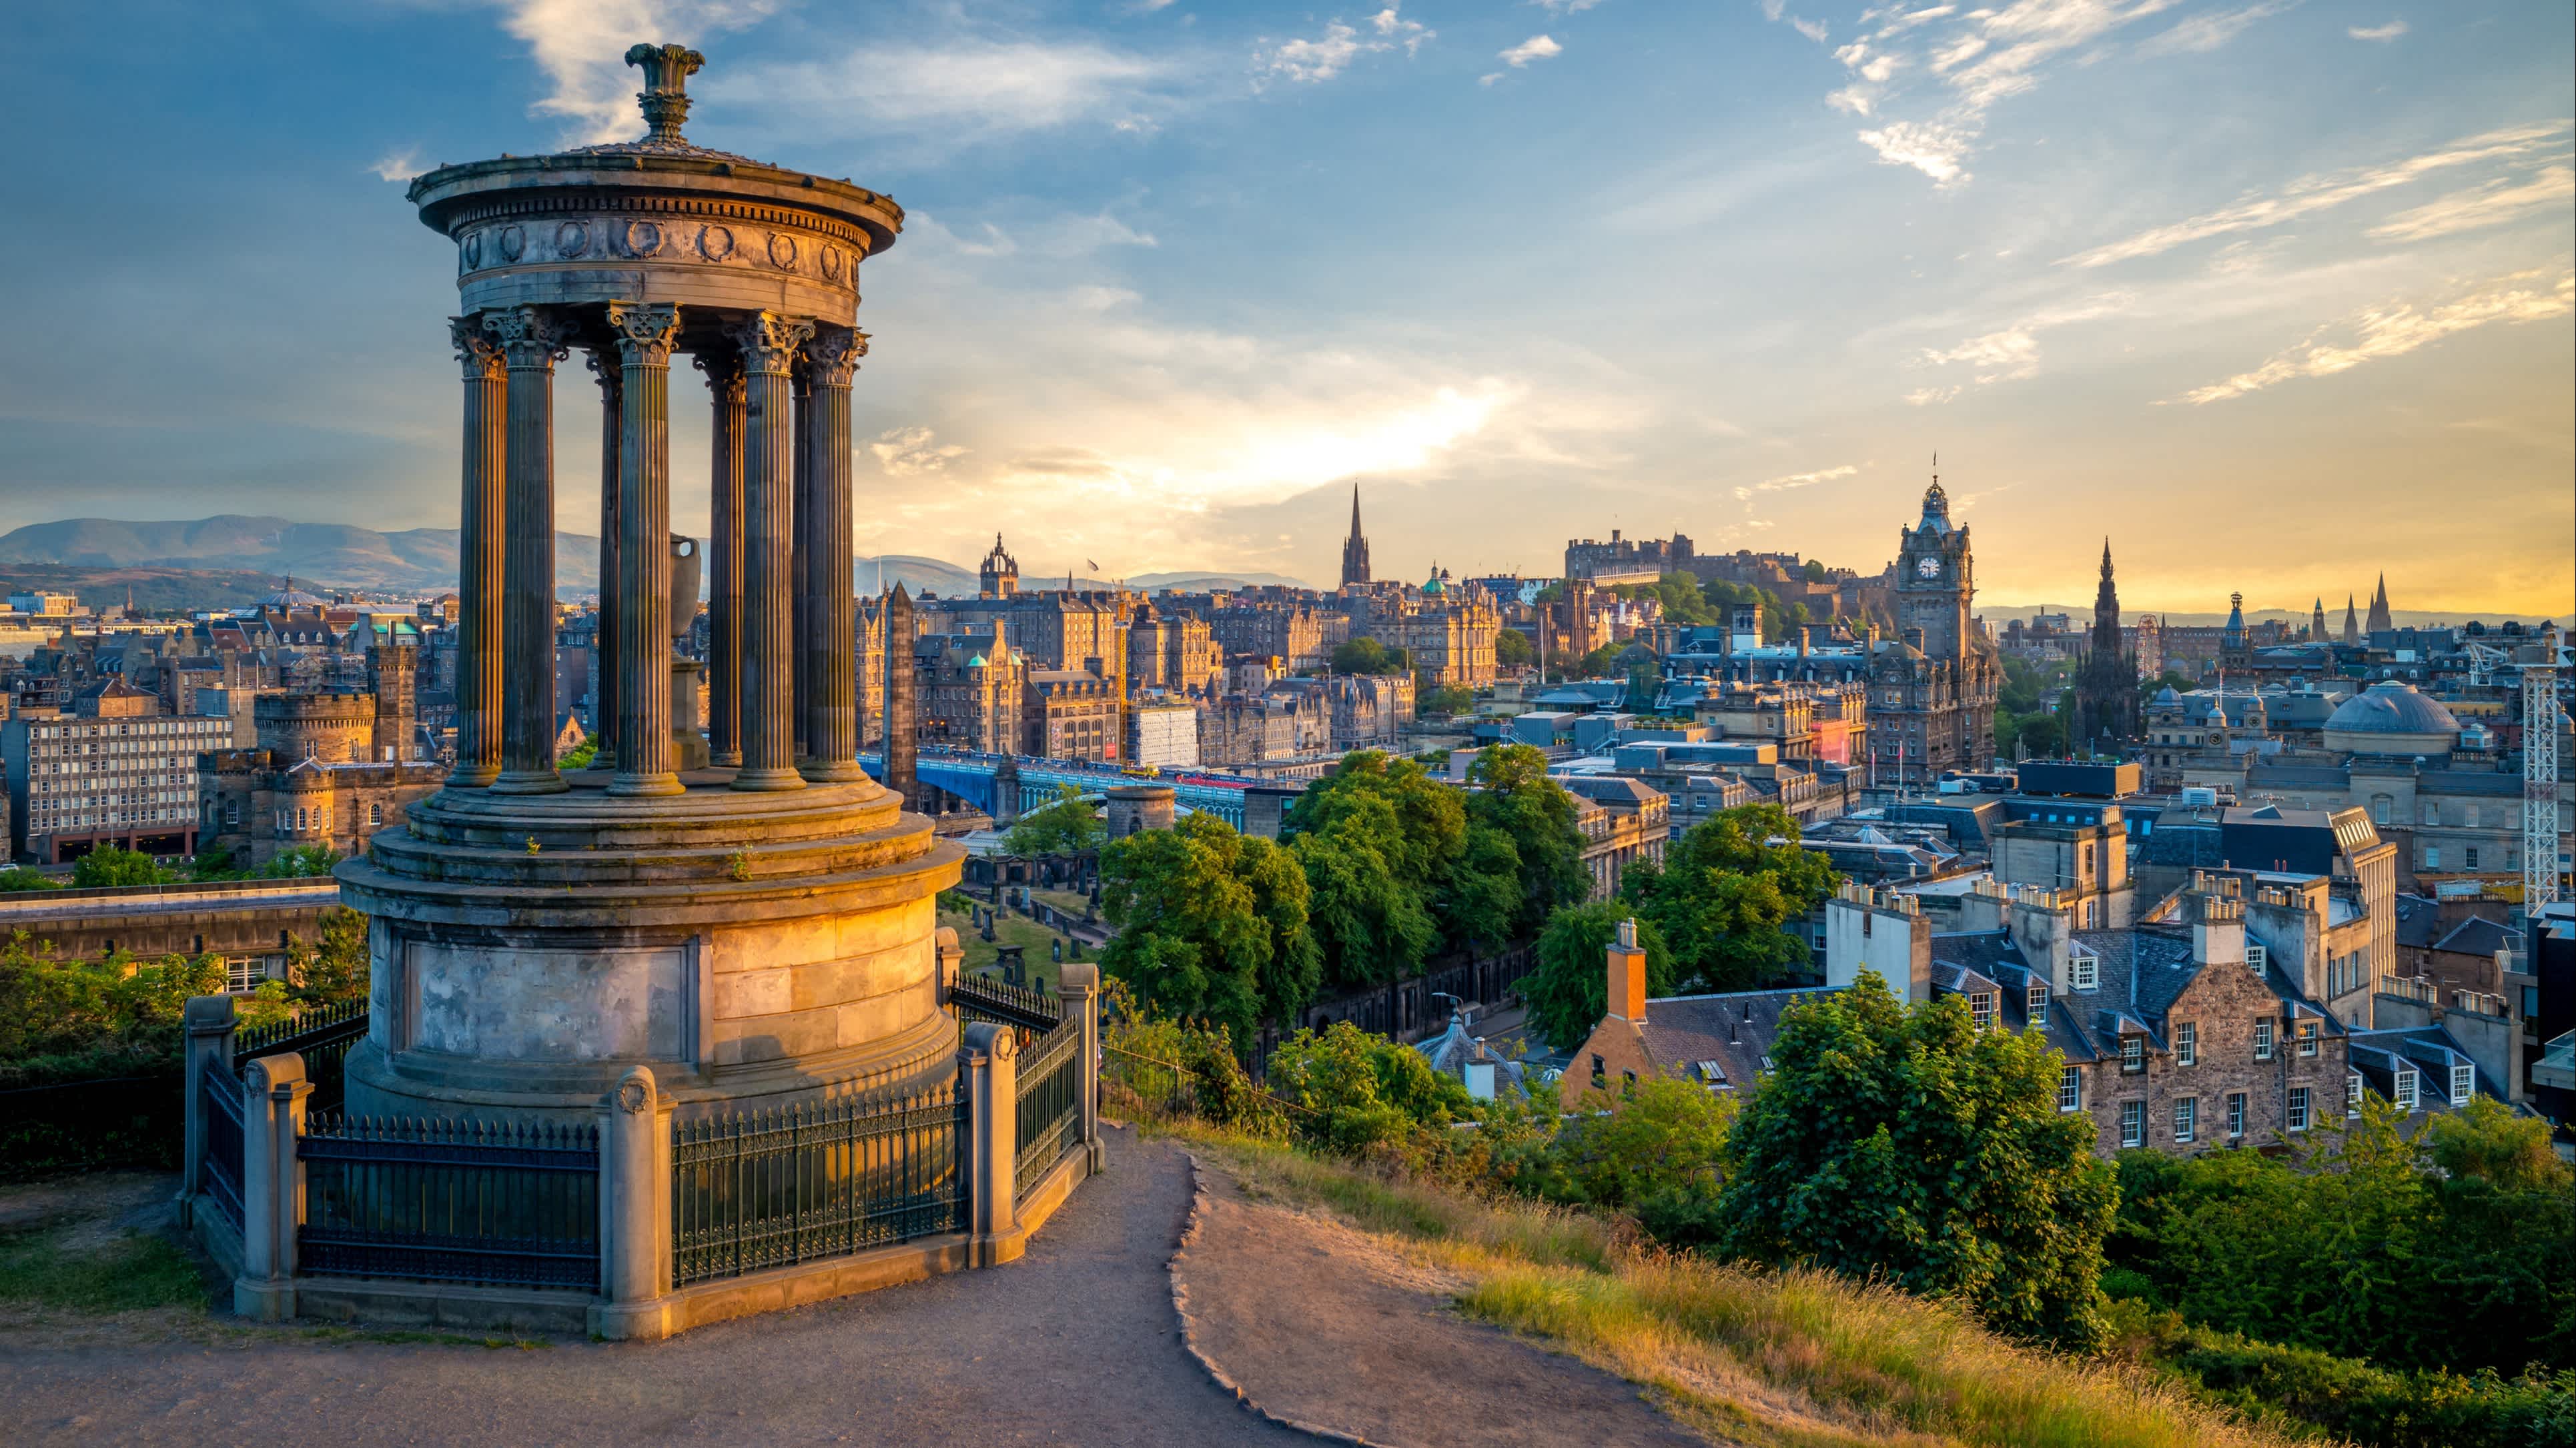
[113,769]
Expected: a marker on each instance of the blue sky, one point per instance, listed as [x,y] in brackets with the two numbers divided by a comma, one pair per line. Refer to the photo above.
[2277,295]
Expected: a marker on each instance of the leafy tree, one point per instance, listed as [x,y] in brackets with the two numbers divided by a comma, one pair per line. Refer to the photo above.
[1664,1142]
[1513,650]
[1367,656]
[1516,799]
[1067,825]
[1725,893]
[1361,1091]
[334,968]
[301,862]
[1445,699]
[1485,895]
[2485,1141]
[111,865]
[1815,572]
[1899,1140]
[19,877]
[1570,991]
[1370,918]
[1212,924]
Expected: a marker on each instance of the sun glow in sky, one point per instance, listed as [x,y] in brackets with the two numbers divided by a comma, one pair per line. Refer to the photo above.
[2279,296]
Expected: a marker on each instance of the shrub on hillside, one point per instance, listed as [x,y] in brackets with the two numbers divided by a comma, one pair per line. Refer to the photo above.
[1362,1094]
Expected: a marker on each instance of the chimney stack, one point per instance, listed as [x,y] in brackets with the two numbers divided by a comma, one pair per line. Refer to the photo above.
[1628,976]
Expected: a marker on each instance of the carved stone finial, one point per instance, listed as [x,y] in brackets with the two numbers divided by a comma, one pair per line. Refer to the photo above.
[665,96]
[833,356]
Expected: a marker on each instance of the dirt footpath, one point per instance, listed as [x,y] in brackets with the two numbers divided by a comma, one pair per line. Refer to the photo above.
[1321,1326]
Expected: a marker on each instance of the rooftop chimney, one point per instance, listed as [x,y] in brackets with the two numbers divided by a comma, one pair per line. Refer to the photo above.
[1627,976]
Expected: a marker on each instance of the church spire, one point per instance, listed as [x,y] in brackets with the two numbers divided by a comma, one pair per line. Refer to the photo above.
[2379,616]
[1355,551]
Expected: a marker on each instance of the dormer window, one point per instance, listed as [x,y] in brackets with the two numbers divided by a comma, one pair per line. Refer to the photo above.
[2307,1038]
[1713,1075]
[2256,957]
[2464,1079]
[2352,1093]
[2263,1040]
[2037,1002]
[2084,968]
[1981,1009]
[2133,1053]
[2406,1089]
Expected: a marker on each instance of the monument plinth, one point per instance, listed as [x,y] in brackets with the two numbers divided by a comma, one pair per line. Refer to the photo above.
[755,933]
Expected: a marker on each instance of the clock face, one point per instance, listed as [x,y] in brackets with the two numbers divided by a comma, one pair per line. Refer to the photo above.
[1929,567]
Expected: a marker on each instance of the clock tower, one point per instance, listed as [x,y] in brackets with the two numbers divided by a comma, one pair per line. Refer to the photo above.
[1935,579]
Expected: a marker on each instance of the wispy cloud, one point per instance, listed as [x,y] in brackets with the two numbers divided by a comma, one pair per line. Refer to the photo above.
[2011,353]
[1310,62]
[1564,7]
[2493,204]
[2202,33]
[1795,481]
[1537,47]
[2380,33]
[1980,57]
[581,46]
[963,89]
[399,165]
[904,452]
[2313,194]
[2397,330]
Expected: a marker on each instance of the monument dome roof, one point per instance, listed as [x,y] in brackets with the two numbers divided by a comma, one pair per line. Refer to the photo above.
[2392,707]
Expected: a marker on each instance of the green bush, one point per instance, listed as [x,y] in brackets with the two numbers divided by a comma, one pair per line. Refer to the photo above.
[1361,1094]
[19,877]
[1663,1142]
[112,865]
[2301,1387]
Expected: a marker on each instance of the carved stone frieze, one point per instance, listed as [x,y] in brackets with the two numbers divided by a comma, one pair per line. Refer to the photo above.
[764,239]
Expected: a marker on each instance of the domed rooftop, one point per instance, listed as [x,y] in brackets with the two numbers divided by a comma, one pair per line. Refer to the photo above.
[290,598]
[2391,718]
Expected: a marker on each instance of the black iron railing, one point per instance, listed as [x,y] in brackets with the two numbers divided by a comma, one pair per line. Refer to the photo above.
[983,999]
[770,1188]
[451,1201]
[323,1036]
[1049,1105]
[219,1163]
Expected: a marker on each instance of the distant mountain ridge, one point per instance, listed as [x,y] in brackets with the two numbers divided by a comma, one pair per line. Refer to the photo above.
[327,555]
[2082,614]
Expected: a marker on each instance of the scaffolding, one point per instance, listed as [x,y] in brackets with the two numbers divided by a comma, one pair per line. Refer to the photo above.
[2539,785]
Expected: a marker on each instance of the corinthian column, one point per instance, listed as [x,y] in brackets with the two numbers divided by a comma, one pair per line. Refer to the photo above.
[478,612]
[603,684]
[831,674]
[768,343]
[532,341]
[724,569]
[800,563]
[644,335]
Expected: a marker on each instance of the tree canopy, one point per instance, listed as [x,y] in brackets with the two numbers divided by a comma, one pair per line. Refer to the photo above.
[1512,649]
[1212,924]
[1516,800]
[1066,825]
[1725,893]
[1367,656]
[1900,1140]
[1570,992]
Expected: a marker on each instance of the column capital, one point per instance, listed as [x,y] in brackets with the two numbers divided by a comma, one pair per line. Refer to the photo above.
[832,358]
[475,348]
[532,338]
[607,371]
[770,341]
[645,331]
[724,373]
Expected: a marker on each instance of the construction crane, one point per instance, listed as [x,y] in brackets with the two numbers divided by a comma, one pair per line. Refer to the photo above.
[2540,780]
[2483,659]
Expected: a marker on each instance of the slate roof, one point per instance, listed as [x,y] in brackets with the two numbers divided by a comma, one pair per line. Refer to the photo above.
[2418,921]
[1735,1030]
[2476,936]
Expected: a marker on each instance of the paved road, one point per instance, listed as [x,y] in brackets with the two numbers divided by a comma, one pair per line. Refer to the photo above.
[1074,1343]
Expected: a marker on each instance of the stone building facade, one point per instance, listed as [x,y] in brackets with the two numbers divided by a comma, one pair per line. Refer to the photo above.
[968,691]
[1174,652]
[1937,683]
[113,769]
[1070,714]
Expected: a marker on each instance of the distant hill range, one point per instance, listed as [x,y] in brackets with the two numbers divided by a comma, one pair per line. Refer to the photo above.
[919,575]
[1999,613]
[202,563]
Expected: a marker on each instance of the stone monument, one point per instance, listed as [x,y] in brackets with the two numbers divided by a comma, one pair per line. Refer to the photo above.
[751,921]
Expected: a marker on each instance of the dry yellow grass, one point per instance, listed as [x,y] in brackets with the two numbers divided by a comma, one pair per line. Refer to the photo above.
[1787,1358]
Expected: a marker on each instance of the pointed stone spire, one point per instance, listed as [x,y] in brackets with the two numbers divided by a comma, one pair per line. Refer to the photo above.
[1355,550]
[2351,622]
[2379,619]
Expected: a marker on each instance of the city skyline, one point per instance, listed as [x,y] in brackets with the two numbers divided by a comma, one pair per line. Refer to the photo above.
[1734,273]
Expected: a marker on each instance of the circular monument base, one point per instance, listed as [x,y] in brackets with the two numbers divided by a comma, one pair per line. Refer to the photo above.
[750,949]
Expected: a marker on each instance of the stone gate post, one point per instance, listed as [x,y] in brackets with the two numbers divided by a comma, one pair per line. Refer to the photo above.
[273,1092]
[634,1211]
[992,1089]
[210,1022]
[1078,987]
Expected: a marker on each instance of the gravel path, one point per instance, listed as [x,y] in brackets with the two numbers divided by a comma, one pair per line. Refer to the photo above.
[1075,1343]
[1324,1327]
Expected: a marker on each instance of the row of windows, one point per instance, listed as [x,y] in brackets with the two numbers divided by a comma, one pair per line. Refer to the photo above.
[2297,1110]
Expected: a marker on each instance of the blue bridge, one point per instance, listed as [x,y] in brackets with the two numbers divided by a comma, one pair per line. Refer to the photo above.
[972,777]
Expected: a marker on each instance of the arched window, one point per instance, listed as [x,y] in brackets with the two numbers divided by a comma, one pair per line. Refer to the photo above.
[300,820]
[375,814]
